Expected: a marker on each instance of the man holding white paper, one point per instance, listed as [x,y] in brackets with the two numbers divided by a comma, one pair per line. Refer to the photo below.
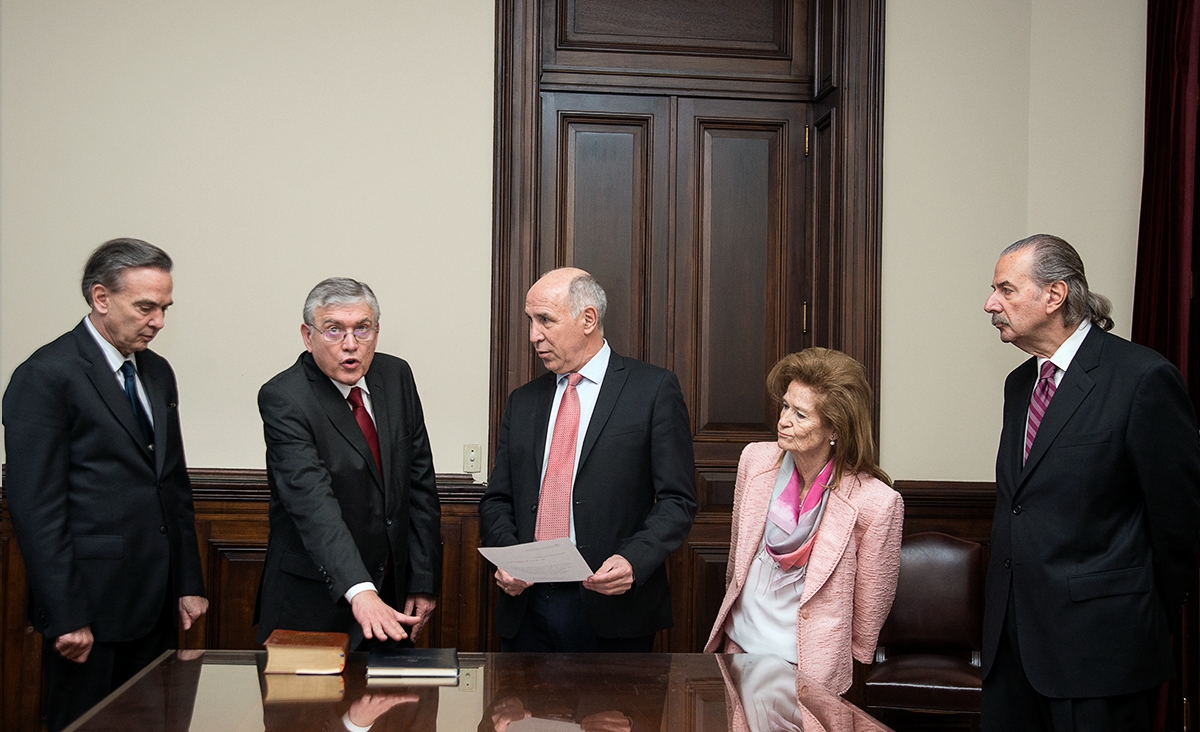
[598,451]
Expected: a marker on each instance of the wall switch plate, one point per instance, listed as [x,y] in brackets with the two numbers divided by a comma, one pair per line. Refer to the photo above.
[471,459]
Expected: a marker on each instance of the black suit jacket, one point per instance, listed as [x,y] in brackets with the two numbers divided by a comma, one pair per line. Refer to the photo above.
[105,524]
[1095,535]
[634,491]
[333,517]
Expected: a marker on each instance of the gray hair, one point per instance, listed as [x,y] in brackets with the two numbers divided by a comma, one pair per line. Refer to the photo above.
[1054,260]
[583,291]
[337,291]
[108,264]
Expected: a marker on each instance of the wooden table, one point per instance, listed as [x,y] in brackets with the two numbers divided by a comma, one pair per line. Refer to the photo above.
[198,691]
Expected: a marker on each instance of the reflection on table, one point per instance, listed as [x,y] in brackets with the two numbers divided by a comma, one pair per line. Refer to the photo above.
[226,690]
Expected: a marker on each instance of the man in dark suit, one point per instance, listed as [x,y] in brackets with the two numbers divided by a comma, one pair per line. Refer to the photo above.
[98,487]
[355,543]
[1097,508]
[615,475]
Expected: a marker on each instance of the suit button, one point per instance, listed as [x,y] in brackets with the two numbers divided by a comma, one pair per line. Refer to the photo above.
[162,529]
[382,568]
[1017,510]
[533,508]
[1008,564]
[804,613]
[388,521]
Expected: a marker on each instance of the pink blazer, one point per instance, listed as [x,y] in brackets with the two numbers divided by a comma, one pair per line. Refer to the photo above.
[851,577]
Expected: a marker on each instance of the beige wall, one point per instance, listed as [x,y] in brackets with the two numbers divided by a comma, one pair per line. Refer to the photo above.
[1000,120]
[265,146]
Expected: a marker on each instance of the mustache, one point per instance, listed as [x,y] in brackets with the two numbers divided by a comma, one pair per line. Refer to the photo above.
[998,319]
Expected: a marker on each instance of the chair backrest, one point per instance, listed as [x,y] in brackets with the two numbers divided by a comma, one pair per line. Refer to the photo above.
[939,597]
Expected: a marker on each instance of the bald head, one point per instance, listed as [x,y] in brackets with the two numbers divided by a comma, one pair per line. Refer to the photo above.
[566,313]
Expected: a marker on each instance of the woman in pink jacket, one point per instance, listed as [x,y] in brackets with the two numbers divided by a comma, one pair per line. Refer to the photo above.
[815,548]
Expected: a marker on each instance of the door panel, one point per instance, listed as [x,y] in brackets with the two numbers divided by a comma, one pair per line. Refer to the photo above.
[605,166]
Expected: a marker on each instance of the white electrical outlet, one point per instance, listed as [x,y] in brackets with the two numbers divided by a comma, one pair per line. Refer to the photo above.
[472,458]
[466,679]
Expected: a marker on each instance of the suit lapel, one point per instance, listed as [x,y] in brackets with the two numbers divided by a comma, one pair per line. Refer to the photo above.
[1016,412]
[156,393]
[338,410]
[104,379]
[380,397]
[1075,386]
[754,518]
[837,526]
[610,391]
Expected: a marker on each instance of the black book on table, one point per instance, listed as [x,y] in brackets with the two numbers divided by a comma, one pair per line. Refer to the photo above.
[412,662]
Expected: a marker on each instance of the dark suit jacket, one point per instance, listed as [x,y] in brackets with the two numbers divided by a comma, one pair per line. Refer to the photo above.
[333,517]
[1095,536]
[634,491]
[105,525]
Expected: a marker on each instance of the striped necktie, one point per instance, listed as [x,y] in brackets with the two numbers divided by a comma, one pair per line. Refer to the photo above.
[1042,393]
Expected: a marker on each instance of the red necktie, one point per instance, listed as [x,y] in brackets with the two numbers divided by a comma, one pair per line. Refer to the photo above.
[365,424]
[554,505]
[1042,394]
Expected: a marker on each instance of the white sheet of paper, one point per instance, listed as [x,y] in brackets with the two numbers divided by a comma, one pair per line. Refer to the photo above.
[556,560]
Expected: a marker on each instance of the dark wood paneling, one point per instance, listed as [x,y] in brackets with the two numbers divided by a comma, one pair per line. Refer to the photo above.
[728,27]
[233,574]
[741,265]
[20,647]
[606,160]
[726,48]
[824,48]
[741,240]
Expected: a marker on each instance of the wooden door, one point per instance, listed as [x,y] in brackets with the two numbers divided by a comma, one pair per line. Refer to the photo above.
[668,147]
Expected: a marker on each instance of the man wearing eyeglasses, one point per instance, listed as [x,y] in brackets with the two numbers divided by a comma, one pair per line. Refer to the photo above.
[355,542]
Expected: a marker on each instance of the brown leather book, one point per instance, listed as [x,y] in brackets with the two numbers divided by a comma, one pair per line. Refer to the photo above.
[306,652]
[295,688]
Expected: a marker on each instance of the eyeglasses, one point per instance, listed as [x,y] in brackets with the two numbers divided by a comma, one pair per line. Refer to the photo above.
[336,334]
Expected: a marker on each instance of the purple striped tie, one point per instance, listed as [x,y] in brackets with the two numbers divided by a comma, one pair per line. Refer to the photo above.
[1042,393]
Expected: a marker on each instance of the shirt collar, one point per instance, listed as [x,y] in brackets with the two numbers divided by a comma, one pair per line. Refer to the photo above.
[596,367]
[111,354]
[345,389]
[1066,352]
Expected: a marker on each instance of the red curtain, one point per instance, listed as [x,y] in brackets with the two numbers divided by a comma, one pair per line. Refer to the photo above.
[1163,317]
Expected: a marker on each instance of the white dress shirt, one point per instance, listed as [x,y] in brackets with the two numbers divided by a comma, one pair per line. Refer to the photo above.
[116,361]
[588,390]
[1062,359]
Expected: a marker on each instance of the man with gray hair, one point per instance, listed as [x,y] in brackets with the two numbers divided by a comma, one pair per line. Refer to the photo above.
[598,450]
[1097,508]
[98,487]
[355,542]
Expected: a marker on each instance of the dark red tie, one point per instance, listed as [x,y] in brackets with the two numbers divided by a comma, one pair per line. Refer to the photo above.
[365,424]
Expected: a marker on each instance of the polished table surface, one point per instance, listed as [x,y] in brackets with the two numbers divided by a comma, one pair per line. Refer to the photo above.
[504,692]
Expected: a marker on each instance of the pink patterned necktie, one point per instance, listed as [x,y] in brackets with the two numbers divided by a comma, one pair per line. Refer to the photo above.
[554,504]
[1042,393]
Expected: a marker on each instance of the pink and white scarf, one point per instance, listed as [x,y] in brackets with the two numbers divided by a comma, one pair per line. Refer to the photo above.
[792,526]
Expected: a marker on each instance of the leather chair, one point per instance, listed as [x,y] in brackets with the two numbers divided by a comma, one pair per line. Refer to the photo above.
[928,655]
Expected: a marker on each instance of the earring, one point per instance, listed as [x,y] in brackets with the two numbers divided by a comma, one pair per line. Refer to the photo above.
[832,443]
